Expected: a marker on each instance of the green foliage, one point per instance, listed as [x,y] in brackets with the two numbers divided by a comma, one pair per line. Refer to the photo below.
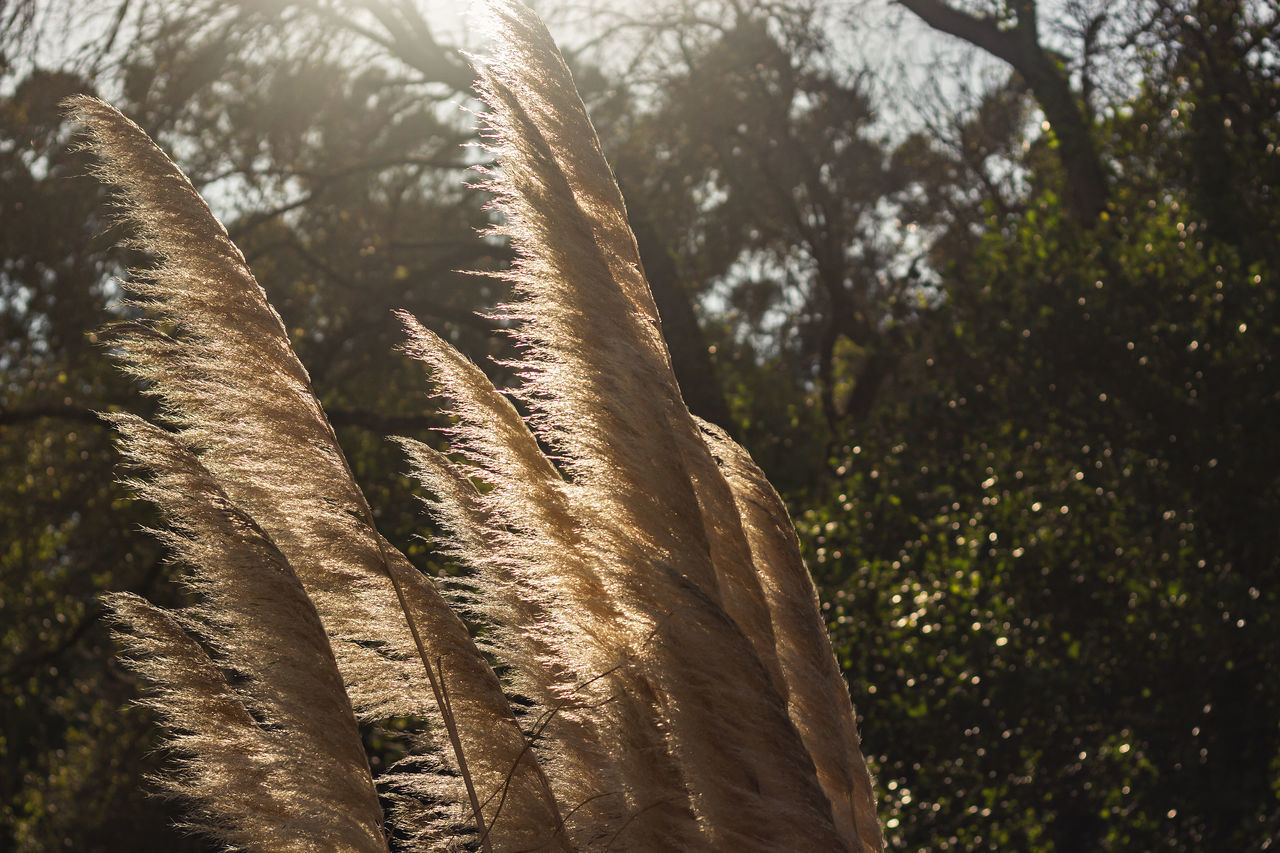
[1048,557]
[1049,562]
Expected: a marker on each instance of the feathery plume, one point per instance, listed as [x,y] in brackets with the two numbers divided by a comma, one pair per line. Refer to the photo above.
[817,695]
[228,379]
[275,762]
[632,571]
[645,591]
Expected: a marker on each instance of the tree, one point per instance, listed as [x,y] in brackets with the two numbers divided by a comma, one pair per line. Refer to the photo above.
[1056,526]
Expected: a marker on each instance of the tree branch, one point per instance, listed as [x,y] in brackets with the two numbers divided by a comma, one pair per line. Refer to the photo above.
[1086,187]
[980,32]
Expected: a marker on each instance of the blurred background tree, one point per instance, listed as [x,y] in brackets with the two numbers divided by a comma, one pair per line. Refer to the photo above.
[1010,360]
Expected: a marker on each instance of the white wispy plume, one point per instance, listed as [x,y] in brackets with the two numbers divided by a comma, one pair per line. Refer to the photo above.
[276,761]
[644,591]
[817,696]
[217,356]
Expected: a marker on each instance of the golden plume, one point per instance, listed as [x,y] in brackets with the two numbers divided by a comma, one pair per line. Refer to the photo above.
[242,402]
[297,780]
[644,591]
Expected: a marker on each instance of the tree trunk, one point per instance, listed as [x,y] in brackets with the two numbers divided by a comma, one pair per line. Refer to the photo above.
[689,356]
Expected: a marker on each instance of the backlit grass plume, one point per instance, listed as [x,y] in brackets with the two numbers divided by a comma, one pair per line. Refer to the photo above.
[644,593]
